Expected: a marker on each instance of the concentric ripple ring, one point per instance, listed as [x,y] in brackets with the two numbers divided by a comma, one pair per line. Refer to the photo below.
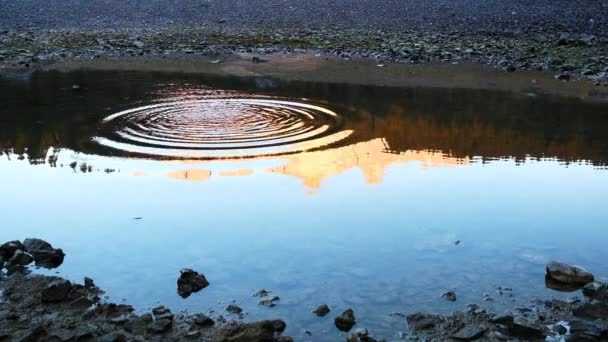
[221,128]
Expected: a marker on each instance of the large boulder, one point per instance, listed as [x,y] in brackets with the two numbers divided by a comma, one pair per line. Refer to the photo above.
[189,282]
[568,274]
[44,254]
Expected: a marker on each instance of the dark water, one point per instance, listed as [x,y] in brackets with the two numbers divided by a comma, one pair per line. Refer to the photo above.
[349,196]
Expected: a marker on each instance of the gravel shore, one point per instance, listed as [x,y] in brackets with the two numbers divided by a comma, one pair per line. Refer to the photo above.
[568,38]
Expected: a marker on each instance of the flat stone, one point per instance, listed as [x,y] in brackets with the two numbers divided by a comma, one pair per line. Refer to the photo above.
[470,332]
[160,326]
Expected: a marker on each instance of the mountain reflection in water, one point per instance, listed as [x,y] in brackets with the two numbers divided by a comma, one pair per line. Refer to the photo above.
[46,121]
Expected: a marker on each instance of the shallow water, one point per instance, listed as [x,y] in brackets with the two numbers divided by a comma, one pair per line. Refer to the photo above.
[349,196]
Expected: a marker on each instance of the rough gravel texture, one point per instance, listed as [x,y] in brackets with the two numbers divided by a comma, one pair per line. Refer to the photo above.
[581,16]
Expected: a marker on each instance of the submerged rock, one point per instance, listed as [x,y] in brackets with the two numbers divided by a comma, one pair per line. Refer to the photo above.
[189,282]
[322,310]
[262,293]
[270,302]
[346,320]
[450,295]
[233,309]
[567,274]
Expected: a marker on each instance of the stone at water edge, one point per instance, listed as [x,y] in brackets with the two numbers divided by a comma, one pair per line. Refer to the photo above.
[19,258]
[420,321]
[346,320]
[596,290]
[43,252]
[565,273]
[189,282]
[8,249]
[233,309]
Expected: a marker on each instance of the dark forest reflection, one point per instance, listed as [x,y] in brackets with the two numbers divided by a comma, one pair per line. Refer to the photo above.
[46,113]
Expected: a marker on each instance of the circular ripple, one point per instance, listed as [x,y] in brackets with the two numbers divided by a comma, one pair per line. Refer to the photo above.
[221,128]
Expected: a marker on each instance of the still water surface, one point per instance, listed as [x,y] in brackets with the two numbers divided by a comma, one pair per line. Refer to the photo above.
[351,196]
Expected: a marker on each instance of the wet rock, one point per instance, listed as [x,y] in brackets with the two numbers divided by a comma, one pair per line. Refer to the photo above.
[503,319]
[278,325]
[596,290]
[233,309]
[591,330]
[470,332]
[19,258]
[246,332]
[346,320]
[553,284]
[160,326]
[257,60]
[160,310]
[189,282]
[262,293]
[139,325]
[56,291]
[524,331]
[270,302]
[419,321]
[88,282]
[202,320]
[450,295]
[562,77]
[360,335]
[81,303]
[139,44]
[559,329]
[322,310]
[31,334]
[44,254]
[8,249]
[114,336]
[567,274]
[592,309]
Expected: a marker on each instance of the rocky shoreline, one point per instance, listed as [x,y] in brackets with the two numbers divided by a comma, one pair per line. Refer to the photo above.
[37,307]
[567,55]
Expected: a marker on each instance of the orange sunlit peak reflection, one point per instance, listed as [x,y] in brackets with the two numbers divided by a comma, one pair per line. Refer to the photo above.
[369,156]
